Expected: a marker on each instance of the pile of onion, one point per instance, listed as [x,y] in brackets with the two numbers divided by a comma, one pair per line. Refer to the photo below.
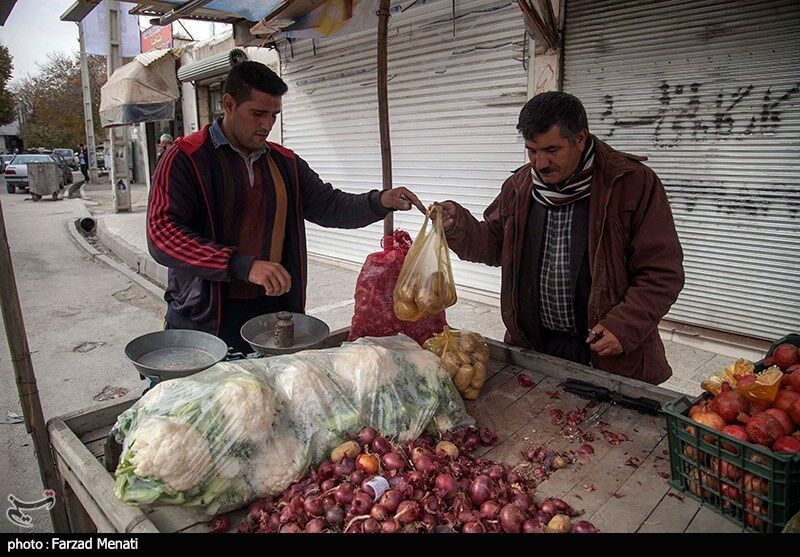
[425,485]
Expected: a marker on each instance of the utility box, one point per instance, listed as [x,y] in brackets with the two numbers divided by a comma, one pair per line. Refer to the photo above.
[44,178]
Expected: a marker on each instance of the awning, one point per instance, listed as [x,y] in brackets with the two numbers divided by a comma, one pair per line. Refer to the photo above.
[143,90]
[212,66]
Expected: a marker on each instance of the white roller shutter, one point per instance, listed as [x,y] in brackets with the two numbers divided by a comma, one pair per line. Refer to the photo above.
[453,107]
[710,92]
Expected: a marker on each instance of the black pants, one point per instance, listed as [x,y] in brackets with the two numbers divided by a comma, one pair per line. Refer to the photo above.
[85,172]
[568,346]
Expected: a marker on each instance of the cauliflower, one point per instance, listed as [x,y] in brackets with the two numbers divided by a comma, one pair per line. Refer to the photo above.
[302,383]
[168,450]
[277,465]
[248,406]
[363,369]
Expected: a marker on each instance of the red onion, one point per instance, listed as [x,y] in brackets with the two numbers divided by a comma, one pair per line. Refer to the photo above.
[586,448]
[496,473]
[407,511]
[429,521]
[487,436]
[220,524]
[393,461]
[362,503]
[379,513]
[490,509]
[481,489]
[327,485]
[274,522]
[371,526]
[425,463]
[381,445]
[533,526]
[561,507]
[416,478]
[431,504]
[390,500]
[313,506]
[401,484]
[344,494]
[522,501]
[511,519]
[367,436]
[357,477]
[468,516]
[325,471]
[334,516]
[290,528]
[584,527]
[445,486]
[472,528]
[512,476]
[315,526]
[419,495]
[345,467]
[390,526]
[548,507]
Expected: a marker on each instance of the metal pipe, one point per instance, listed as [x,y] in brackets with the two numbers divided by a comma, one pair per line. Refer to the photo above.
[383,106]
[85,220]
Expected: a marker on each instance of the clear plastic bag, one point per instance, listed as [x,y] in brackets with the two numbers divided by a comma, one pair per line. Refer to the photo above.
[425,285]
[373,315]
[465,356]
[246,429]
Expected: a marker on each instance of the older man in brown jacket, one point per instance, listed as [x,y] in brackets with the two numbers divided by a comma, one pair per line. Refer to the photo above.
[585,238]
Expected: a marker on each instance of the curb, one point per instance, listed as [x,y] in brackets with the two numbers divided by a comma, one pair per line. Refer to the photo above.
[149,287]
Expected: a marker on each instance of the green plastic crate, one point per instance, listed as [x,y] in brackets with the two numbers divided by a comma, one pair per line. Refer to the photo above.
[747,483]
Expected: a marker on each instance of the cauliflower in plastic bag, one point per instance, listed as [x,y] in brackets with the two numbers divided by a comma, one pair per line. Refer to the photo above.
[239,430]
[248,407]
[277,465]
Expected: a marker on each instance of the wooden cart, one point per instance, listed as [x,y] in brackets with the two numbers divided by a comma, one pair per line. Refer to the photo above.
[621,487]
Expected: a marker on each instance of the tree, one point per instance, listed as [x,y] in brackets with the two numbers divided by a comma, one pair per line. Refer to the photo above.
[51,101]
[7,113]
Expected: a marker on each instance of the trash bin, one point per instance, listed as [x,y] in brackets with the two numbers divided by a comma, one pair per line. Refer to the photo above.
[44,178]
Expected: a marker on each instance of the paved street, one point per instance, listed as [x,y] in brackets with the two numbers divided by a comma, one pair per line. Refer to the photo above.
[79,315]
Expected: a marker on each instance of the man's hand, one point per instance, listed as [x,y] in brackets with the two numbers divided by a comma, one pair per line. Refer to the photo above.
[448,214]
[272,276]
[402,199]
[603,341]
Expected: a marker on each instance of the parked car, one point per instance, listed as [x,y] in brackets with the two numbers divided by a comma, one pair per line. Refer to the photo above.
[16,171]
[70,156]
[4,160]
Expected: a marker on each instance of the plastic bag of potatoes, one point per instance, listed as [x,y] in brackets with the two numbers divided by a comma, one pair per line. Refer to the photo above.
[465,356]
[425,285]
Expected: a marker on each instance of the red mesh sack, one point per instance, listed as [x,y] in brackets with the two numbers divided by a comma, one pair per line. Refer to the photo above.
[374,302]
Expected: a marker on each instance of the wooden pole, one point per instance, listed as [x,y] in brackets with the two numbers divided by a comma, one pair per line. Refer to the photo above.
[383,106]
[26,381]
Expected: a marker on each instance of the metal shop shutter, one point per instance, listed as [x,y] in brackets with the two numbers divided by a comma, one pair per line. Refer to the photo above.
[710,92]
[453,107]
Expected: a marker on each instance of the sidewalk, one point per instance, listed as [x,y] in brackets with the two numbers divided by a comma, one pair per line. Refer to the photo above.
[331,288]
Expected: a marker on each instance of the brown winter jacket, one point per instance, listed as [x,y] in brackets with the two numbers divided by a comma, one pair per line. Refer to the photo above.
[635,257]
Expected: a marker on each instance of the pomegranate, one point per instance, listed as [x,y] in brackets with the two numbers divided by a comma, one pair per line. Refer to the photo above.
[711,420]
[787,444]
[794,412]
[783,418]
[729,404]
[784,356]
[736,431]
[784,399]
[791,378]
[763,429]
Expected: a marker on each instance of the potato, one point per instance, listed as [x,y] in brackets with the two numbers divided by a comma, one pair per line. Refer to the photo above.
[479,378]
[470,393]
[349,449]
[428,302]
[468,343]
[463,377]
[559,524]
[407,311]
[451,362]
[481,354]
